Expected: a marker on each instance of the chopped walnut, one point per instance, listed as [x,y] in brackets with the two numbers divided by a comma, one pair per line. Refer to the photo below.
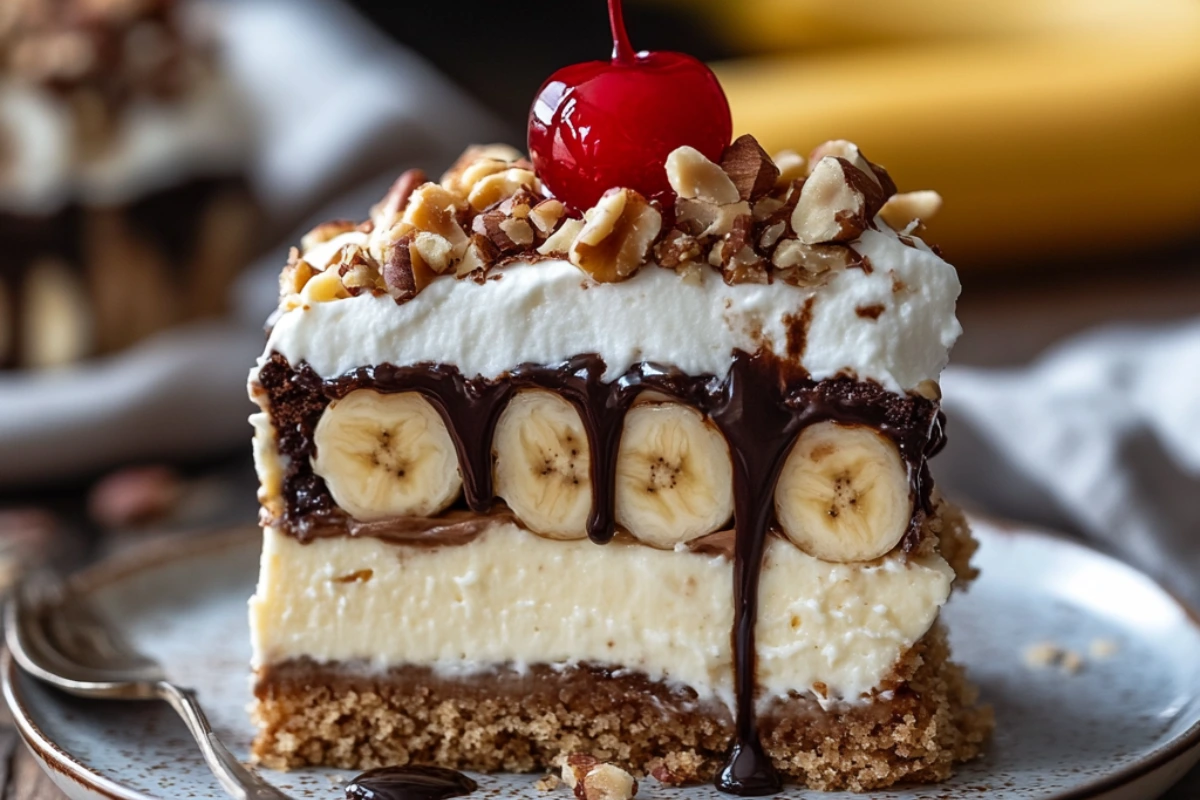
[325,232]
[500,186]
[592,779]
[750,168]
[295,275]
[325,287]
[477,162]
[387,212]
[677,249]
[810,265]
[740,262]
[836,203]
[901,211]
[404,271]
[702,219]
[616,237]
[791,167]
[559,243]
[480,256]
[358,271]
[694,177]
[840,148]
[546,215]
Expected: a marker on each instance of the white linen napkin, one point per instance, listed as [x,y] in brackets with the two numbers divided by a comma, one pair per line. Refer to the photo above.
[332,98]
[1100,436]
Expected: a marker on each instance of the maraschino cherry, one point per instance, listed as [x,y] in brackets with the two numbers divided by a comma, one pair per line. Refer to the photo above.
[607,124]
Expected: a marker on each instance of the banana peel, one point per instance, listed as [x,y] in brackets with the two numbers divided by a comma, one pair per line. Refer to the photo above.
[1042,147]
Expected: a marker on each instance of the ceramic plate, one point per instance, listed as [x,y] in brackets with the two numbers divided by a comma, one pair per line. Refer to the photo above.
[1125,725]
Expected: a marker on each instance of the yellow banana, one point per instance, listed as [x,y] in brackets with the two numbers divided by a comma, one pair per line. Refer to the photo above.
[761,25]
[1064,146]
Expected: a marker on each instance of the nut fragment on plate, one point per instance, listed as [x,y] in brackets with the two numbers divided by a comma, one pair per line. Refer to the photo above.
[836,203]
[616,236]
[592,779]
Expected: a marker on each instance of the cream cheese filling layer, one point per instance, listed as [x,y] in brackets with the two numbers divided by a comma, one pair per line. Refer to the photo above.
[894,323]
[510,597]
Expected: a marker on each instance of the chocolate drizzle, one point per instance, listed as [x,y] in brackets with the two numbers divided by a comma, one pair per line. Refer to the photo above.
[760,407]
[412,782]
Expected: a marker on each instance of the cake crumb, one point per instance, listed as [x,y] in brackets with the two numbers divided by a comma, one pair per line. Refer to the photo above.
[547,784]
[1042,654]
[1048,654]
[1071,662]
[1102,649]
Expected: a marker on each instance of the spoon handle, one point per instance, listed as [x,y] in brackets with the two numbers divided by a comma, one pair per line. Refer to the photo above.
[235,779]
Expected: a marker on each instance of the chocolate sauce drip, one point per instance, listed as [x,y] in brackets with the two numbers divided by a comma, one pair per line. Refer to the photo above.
[412,782]
[760,407]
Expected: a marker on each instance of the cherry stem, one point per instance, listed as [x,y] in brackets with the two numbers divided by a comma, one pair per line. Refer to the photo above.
[622,50]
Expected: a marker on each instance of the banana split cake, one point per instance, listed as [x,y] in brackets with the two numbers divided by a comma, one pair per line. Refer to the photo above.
[648,482]
[125,153]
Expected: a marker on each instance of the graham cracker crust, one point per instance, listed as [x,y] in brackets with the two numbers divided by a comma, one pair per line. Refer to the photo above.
[340,716]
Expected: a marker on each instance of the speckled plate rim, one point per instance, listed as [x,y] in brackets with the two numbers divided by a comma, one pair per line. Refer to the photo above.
[60,764]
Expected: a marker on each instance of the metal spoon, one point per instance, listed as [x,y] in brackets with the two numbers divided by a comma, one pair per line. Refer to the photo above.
[56,639]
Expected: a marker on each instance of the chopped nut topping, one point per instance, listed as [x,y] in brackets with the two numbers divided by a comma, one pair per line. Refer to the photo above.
[677,249]
[404,271]
[810,265]
[750,168]
[702,219]
[324,287]
[902,210]
[386,213]
[840,148]
[481,161]
[500,186]
[358,271]
[751,218]
[546,215]
[325,232]
[295,275]
[616,237]
[791,167]
[480,256]
[694,177]
[836,203]
[559,243]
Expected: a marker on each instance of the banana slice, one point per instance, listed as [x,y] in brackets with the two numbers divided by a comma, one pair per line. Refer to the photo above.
[843,494]
[386,455]
[543,464]
[674,475]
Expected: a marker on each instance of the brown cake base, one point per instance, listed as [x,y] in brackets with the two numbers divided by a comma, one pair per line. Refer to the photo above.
[313,714]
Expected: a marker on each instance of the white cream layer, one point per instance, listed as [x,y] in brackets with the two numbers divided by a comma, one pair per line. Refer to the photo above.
[546,312]
[155,145]
[510,597]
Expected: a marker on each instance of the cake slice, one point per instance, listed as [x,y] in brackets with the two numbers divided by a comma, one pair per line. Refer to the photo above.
[644,484]
[125,205]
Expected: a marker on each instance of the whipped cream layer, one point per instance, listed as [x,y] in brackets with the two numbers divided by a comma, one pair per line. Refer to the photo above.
[510,597]
[893,324]
[156,144]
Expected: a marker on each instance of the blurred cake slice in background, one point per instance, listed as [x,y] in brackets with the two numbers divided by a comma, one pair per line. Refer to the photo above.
[124,206]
